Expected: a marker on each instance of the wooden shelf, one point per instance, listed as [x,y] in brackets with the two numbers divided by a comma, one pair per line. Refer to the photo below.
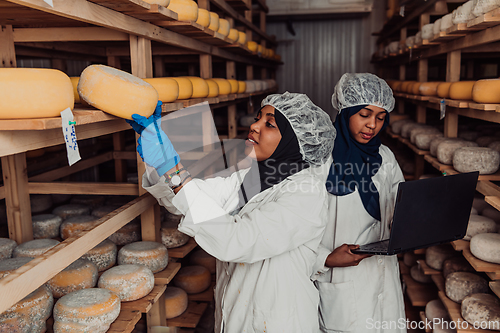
[438,280]
[165,276]
[460,244]
[125,323]
[419,294]
[495,287]
[182,251]
[146,303]
[424,319]
[492,270]
[190,317]
[426,269]
[139,9]
[206,296]
[486,20]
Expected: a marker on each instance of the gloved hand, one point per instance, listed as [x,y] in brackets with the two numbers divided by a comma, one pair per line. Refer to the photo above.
[154,146]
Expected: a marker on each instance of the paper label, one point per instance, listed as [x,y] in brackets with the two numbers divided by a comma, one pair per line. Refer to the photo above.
[442,109]
[49,2]
[68,129]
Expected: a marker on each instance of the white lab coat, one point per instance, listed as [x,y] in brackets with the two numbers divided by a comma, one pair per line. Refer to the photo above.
[266,252]
[367,297]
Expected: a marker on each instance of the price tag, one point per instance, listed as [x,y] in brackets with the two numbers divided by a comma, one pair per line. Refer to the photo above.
[442,109]
[68,129]
[49,2]
[402,11]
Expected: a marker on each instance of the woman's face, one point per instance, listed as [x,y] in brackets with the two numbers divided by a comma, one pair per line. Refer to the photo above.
[367,123]
[264,135]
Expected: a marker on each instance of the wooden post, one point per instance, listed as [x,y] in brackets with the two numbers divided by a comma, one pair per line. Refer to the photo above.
[231,109]
[204,4]
[141,57]
[17,198]
[60,64]
[7,49]
[159,66]
[120,164]
[423,70]
[248,16]
[205,66]
[452,75]
[263,20]
[114,61]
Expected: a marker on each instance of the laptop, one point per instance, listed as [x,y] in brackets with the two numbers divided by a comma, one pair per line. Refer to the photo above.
[428,212]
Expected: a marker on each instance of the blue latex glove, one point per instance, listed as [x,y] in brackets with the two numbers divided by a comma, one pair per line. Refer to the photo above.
[154,146]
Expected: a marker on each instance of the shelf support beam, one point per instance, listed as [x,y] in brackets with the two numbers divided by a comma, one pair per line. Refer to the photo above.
[7,50]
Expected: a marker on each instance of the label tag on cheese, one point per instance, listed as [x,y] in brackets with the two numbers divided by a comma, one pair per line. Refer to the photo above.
[49,2]
[68,129]
[442,109]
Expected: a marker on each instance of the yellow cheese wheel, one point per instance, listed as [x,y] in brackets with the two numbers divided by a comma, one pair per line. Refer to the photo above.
[176,302]
[443,89]
[461,90]
[167,88]
[234,86]
[260,48]
[224,27]
[193,279]
[117,92]
[129,233]
[187,10]
[163,3]
[68,210]
[397,86]
[103,255]
[405,84]
[242,86]
[242,37]
[214,21]
[202,258]
[252,46]
[233,35]
[81,274]
[73,225]
[74,82]
[129,282]
[213,88]
[34,248]
[203,17]
[185,87]
[224,86]
[200,87]
[34,93]
[87,310]
[429,88]
[153,255]
[6,247]
[415,88]
[486,91]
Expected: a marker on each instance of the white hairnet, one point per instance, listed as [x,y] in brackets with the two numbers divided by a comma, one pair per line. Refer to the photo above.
[312,125]
[362,88]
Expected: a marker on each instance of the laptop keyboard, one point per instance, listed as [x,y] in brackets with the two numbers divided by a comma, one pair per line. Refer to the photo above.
[379,246]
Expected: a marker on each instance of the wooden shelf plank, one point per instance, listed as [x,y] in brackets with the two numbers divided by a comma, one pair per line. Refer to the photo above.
[420,251]
[206,296]
[413,147]
[457,103]
[424,319]
[439,281]
[426,269]
[486,20]
[125,323]
[495,287]
[182,251]
[484,107]
[165,276]
[493,270]
[460,244]
[190,317]
[419,294]
[493,201]
[144,304]
[443,36]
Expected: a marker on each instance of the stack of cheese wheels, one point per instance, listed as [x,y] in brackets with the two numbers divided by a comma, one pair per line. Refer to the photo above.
[242,38]
[458,285]
[482,159]
[74,83]
[398,124]
[447,148]
[201,258]
[73,225]
[88,310]
[486,247]
[103,255]
[456,264]
[436,255]
[224,86]
[46,226]
[185,87]
[193,279]
[461,90]
[252,46]
[482,310]
[233,35]
[40,203]
[50,91]
[6,247]
[176,302]
[93,201]
[80,274]
[224,27]
[429,88]
[170,236]
[418,275]
[242,86]
[200,87]
[129,233]
[203,17]
[129,282]
[187,10]
[69,210]
[9,265]
[435,143]
[117,92]
[213,88]
[479,225]
[423,140]
[29,314]
[150,254]
[167,88]
[34,248]
[443,89]
[214,21]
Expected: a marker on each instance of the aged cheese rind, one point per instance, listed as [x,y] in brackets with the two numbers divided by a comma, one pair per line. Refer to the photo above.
[153,255]
[435,143]
[129,282]
[6,247]
[68,210]
[193,279]
[479,225]
[456,264]
[418,275]
[103,255]
[46,226]
[423,140]
[34,248]
[74,225]
[202,258]
[459,285]
[447,148]
[129,233]
[486,247]
[437,254]
[435,309]
[176,302]
[81,274]
[482,310]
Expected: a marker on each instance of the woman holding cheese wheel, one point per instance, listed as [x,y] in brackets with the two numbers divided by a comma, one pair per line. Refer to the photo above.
[359,292]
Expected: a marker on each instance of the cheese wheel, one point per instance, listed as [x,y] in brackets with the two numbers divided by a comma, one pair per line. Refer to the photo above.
[50,91]
[129,282]
[224,86]
[435,309]
[446,22]
[468,135]
[171,237]
[463,13]
[484,160]
[176,302]
[429,88]
[69,210]
[480,205]
[482,310]
[415,88]
[447,148]
[428,31]
[6,247]
[29,314]
[443,89]
[485,141]
[214,21]
[495,146]
[436,28]
[405,85]
[117,92]
[59,199]
[486,91]
[74,83]
[187,10]
[46,226]
[492,213]
[461,90]
[167,88]
[193,279]
[34,248]
[81,274]
[200,87]
[271,83]
[423,140]
[418,275]
[242,86]
[234,86]
[486,247]
[73,225]
[150,254]
[252,46]
[459,285]
[185,87]
[88,310]
[233,35]
[93,201]
[437,254]
[129,233]
[202,258]
[242,38]
[421,129]
[435,143]
[203,17]
[398,124]
[40,203]
[250,87]
[224,27]
[213,88]
[9,265]
[408,127]
[456,264]
[103,255]
[473,211]
[163,3]
[410,259]
[102,211]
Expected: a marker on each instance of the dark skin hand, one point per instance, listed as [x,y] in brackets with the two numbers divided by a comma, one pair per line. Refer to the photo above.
[343,257]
